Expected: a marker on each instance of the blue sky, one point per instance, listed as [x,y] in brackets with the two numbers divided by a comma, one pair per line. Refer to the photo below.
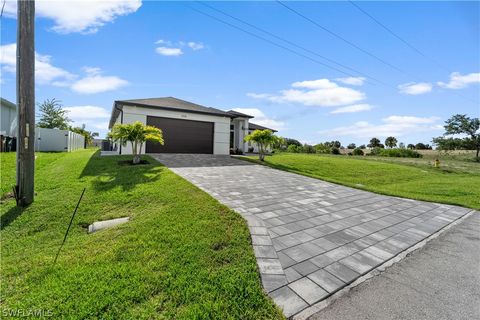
[90,54]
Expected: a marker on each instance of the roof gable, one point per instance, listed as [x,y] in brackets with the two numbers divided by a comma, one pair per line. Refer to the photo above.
[253,126]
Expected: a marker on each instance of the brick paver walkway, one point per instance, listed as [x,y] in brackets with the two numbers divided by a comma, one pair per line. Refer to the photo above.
[311,238]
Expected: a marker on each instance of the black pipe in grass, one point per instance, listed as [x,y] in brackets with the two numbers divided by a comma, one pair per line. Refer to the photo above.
[69,225]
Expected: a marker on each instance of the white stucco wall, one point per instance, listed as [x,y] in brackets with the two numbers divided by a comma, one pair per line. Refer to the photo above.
[8,120]
[221,135]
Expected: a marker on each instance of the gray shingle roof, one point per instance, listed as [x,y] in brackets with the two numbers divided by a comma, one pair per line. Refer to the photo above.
[239,114]
[253,126]
[167,103]
[7,103]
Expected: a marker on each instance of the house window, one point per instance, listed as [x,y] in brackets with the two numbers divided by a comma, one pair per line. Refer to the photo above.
[231,139]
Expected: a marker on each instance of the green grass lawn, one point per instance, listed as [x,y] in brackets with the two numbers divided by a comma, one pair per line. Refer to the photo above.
[183,255]
[8,164]
[459,161]
[415,180]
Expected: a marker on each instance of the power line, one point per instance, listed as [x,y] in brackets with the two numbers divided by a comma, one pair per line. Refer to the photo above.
[288,41]
[360,49]
[269,41]
[3,7]
[346,40]
[287,48]
[397,36]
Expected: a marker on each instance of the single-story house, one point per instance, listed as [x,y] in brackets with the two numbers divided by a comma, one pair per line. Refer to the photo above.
[8,116]
[187,127]
[8,125]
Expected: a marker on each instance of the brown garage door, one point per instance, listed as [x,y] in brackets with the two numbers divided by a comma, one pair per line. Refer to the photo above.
[182,136]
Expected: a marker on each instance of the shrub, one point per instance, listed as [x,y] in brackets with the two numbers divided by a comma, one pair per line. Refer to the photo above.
[308,148]
[357,152]
[375,151]
[293,148]
[334,150]
[322,148]
[137,134]
[397,152]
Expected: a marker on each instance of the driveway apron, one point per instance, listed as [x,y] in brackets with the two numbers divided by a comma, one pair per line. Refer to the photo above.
[311,238]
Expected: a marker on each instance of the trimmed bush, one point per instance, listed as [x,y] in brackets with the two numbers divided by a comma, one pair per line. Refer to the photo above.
[357,152]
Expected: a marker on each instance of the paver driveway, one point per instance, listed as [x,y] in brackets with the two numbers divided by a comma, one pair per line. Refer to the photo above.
[311,238]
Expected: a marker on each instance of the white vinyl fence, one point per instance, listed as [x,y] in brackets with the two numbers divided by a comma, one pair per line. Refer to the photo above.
[57,140]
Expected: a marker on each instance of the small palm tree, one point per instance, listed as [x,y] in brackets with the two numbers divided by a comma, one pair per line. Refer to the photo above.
[264,139]
[137,134]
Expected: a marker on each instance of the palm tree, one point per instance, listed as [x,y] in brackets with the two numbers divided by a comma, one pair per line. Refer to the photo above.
[137,134]
[264,139]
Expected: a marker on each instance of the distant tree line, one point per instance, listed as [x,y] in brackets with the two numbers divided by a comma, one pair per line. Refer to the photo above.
[334,147]
[465,129]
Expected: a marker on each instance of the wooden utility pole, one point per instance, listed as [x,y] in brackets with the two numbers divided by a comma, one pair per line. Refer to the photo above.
[25,102]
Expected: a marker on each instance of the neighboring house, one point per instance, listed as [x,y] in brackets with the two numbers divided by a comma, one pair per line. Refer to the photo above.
[187,127]
[8,116]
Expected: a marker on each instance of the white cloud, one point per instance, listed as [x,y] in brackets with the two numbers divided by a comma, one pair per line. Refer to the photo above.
[195,45]
[92,70]
[353,108]
[45,71]
[458,81]
[101,125]
[165,51]
[413,88]
[174,49]
[354,81]
[83,113]
[320,93]
[97,83]
[315,84]
[93,117]
[261,119]
[259,95]
[8,56]
[391,126]
[85,16]
[164,42]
